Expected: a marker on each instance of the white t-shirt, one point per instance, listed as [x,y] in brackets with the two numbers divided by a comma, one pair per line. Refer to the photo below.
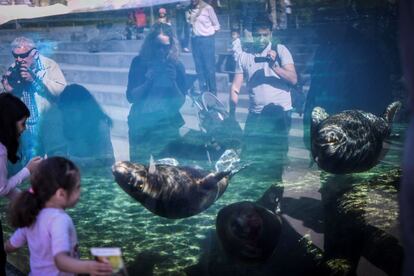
[52,233]
[263,94]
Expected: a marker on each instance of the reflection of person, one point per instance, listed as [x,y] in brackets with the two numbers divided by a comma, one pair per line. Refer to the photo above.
[407,189]
[39,214]
[204,24]
[13,116]
[268,122]
[250,10]
[156,89]
[85,126]
[163,17]
[269,81]
[137,20]
[37,80]
[182,26]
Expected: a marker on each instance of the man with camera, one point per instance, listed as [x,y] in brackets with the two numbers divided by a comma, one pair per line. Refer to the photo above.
[38,81]
[270,72]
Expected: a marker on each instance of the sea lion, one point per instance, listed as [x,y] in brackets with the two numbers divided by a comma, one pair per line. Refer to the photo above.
[350,141]
[248,231]
[171,191]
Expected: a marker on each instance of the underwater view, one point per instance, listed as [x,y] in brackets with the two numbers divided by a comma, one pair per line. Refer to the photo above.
[253,150]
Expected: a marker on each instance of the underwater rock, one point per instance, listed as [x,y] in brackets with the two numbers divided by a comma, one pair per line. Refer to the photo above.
[350,141]
[248,231]
[171,191]
[361,219]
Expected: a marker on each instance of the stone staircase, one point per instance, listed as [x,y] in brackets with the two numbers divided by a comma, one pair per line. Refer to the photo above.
[104,71]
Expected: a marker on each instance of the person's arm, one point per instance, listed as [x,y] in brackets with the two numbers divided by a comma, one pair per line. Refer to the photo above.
[240,56]
[8,185]
[17,240]
[52,82]
[9,248]
[213,18]
[234,93]
[136,80]
[66,263]
[286,70]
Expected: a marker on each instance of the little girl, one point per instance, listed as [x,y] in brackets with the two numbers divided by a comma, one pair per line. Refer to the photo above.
[40,215]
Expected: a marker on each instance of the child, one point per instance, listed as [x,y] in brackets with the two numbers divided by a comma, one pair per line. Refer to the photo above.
[40,215]
[13,116]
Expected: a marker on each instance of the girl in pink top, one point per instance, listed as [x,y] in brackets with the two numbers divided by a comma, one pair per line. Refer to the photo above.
[39,213]
[13,116]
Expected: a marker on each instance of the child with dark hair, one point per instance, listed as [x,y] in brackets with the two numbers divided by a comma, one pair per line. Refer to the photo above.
[86,127]
[39,213]
[13,116]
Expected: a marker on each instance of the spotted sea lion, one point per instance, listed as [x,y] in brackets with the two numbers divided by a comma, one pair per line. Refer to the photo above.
[248,231]
[171,191]
[350,141]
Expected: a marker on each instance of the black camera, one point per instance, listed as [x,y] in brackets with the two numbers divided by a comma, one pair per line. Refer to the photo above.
[267,59]
[14,78]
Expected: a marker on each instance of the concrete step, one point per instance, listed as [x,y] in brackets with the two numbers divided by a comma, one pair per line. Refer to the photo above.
[132,46]
[101,59]
[117,76]
[303,61]
[114,95]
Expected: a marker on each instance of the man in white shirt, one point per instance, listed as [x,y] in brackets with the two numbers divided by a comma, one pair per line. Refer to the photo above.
[270,71]
[204,24]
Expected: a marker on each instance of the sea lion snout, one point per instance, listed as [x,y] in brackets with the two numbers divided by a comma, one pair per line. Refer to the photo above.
[331,136]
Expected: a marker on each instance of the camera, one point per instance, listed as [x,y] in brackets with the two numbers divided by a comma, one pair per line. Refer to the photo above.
[267,59]
[14,78]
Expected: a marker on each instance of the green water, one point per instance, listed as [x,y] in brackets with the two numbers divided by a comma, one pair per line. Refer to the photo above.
[106,216]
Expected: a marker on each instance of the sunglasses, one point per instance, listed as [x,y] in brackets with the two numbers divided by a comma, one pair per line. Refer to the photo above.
[24,55]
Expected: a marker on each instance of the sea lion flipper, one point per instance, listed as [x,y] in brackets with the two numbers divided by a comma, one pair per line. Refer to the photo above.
[210,180]
[318,115]
[151,167]
[391,110]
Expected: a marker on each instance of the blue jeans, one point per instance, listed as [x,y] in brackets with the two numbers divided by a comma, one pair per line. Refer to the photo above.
[204,55]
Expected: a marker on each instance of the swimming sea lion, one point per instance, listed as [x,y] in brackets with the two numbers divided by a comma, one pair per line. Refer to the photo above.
[350,141]
[248,231]
[171,191]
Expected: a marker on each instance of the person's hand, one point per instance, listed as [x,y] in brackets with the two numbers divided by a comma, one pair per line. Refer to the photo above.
[99,268]
[26,73]
[272,54]
[7,87]
[33,164]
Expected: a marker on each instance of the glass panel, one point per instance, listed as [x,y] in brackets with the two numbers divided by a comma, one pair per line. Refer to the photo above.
[227,137]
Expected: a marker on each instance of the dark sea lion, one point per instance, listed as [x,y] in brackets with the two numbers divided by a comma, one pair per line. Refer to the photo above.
[248,231]
[171,191]
[350,141]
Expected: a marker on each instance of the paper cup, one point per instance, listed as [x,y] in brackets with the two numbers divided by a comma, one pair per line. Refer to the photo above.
[112,254]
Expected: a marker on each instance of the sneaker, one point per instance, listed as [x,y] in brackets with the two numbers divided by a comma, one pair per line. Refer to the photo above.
[186,50]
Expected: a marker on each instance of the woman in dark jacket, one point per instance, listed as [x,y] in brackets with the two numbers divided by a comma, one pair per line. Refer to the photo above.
[156,90]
